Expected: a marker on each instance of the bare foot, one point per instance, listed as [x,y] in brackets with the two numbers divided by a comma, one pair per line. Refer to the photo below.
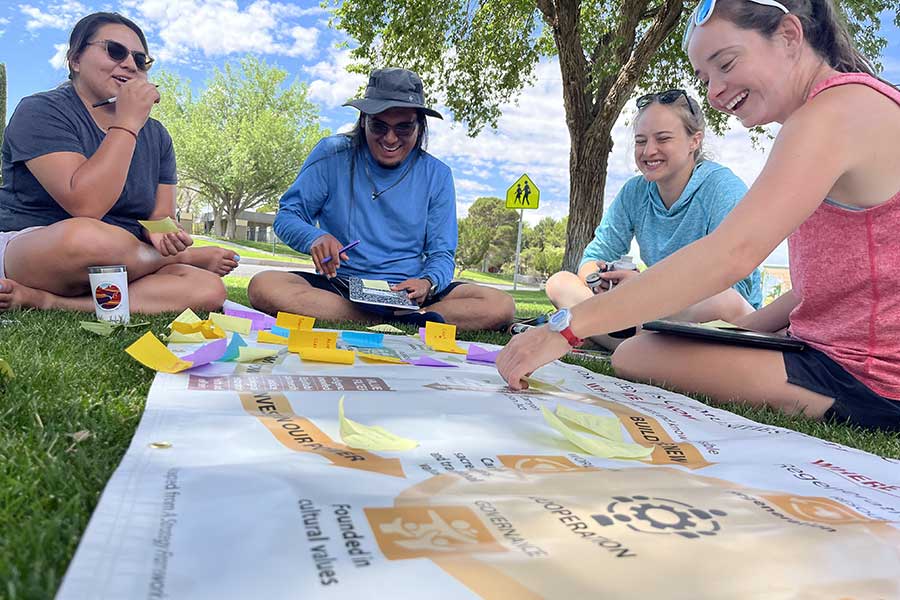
[14,295]
[212,258]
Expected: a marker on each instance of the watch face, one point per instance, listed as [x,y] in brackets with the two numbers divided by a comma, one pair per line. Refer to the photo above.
[559,320]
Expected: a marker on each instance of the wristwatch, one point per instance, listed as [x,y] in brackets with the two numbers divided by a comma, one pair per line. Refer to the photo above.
[560,322]
[430,286]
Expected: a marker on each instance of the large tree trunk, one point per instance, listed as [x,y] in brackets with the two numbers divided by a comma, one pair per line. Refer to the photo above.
[588,161]
[231,226]
[217,222]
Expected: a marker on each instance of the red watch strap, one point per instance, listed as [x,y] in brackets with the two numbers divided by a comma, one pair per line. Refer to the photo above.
[573,339]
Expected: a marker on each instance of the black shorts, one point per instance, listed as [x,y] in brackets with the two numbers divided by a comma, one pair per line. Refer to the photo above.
[340,286]
[854,403]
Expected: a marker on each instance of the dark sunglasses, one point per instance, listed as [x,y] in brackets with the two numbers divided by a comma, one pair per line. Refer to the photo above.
[119,53]
[667,97]
[401,130]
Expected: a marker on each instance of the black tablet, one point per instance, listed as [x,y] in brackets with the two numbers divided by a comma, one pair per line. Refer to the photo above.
[739,337]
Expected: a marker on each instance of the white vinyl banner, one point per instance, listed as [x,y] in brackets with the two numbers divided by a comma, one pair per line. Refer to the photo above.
[238,485]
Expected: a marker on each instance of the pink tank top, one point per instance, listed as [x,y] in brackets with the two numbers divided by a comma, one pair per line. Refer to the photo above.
[845,269]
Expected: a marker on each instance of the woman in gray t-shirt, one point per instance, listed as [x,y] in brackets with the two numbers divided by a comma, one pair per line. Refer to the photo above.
[79,171]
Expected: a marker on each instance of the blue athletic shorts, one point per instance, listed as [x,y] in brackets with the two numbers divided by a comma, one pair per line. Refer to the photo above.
[854,403]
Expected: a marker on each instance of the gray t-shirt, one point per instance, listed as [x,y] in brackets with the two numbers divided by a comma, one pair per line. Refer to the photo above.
[57,121]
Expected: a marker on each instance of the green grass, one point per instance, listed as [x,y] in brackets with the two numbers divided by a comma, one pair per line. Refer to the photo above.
[280,248]
[68,380]
[480,277]
[248,253]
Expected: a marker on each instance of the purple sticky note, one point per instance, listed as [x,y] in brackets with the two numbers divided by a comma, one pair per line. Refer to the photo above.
[208,353]
[427,361]
[258,320]
[422,333]
[480,355]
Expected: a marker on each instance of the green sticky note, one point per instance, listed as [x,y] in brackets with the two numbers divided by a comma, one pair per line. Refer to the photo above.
[376,284]
[370,437]
[607,427]
[597,446]
[166,225]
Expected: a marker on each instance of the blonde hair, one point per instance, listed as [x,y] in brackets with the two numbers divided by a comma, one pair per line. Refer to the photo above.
[691,115]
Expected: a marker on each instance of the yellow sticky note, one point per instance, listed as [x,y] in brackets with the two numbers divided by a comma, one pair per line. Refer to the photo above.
[151,353]
[229,323]
[307,338]
[597,446]
[207,329]
[182,327]
[343,357]
[385,328]
[166,225]
[292,321]
[370,437]
[442,337]
[6,370]
[267,337]
[607,427]
[382,359]
[376,284]
[187,317]
[252,353]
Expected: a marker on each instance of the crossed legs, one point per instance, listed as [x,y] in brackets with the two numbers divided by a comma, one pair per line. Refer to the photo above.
[47,268]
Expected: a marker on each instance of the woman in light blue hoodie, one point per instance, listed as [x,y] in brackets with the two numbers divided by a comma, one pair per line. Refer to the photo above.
[678,198]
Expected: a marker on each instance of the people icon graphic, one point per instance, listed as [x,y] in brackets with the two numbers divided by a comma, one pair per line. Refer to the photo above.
[527,193]
[519,192]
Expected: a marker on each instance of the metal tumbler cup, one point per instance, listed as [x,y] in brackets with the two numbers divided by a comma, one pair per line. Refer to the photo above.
[109,289]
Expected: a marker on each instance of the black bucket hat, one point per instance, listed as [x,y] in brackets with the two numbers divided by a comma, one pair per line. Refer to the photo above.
[392,88]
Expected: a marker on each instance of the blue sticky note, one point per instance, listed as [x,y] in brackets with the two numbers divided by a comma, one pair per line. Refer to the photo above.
[363,340]
[282,331]
[233,350]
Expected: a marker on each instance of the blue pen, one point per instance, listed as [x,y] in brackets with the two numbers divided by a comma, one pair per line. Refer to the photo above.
[342,250]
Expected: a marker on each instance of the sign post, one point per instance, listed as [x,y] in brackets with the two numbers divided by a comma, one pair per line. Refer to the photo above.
[521,195]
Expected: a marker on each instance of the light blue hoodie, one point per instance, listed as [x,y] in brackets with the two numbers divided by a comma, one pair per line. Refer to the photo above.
[639,212]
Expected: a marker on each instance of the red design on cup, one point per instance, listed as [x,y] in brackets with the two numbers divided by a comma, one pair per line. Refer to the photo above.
[108,296]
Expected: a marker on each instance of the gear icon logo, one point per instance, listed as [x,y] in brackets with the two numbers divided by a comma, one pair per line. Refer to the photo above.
[663,516]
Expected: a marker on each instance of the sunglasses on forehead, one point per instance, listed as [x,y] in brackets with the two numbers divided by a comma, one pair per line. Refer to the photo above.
[667,97]
[704,12]
[119,52]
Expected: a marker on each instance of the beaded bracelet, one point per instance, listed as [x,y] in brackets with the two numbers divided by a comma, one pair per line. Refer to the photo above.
[111,127]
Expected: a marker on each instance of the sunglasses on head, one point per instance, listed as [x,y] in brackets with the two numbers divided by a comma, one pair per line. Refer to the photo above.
[380,128]
[667,97]
[118,52]
[704,12]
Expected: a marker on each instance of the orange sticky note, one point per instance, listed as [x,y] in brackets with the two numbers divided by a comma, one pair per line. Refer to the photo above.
[442,337]
[267,337]
[151,353]
[292,321]
[344,357]
[307,338]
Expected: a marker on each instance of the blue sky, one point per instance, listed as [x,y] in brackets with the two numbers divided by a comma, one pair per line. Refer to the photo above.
[191,37]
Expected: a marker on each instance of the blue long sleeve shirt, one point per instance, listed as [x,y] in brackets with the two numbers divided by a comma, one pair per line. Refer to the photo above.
[408,231]
[639,212]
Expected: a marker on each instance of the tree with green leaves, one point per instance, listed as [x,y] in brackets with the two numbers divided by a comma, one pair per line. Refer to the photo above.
[479,55]
[473,243]
[2,107]
[241,142]
[503,223]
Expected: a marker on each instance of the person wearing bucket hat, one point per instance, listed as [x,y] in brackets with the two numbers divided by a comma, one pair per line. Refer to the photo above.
[378,185]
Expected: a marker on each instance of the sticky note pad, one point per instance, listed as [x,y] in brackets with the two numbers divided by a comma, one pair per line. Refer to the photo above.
[363,340]
[291,321]
[307,338]
[370,437]
[343,357]
[376,284]
[597,446]
[253,353]
[267,337]
[166,225]
[442,337]
[230,323]
[151,353]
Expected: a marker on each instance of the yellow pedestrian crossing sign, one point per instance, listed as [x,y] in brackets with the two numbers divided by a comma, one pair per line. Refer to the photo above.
[523,194]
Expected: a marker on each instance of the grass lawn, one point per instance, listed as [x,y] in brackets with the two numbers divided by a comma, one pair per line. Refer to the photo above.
[70,381]
[247,252]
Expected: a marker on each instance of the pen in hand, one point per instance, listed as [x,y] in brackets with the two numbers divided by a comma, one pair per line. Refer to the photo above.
[341,251]
[110,100]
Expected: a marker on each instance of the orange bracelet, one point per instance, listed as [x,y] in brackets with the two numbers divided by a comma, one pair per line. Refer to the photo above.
[123,129]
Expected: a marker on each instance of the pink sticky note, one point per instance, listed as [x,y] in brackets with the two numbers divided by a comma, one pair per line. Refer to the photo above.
[207,353]
[259,320]
[422,333]
[427,361]
[478,354]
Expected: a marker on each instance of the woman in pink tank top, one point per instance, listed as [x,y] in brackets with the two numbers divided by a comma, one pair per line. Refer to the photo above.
[831,186]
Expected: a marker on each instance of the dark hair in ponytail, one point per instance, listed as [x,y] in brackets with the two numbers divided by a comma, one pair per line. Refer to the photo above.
[823,26]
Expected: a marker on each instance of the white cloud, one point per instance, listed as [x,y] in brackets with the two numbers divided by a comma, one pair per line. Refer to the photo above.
[332,84]
[58,60]
[221,27]
[61,15]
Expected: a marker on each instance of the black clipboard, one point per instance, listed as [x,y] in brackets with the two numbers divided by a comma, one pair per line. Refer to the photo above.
[737,337]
